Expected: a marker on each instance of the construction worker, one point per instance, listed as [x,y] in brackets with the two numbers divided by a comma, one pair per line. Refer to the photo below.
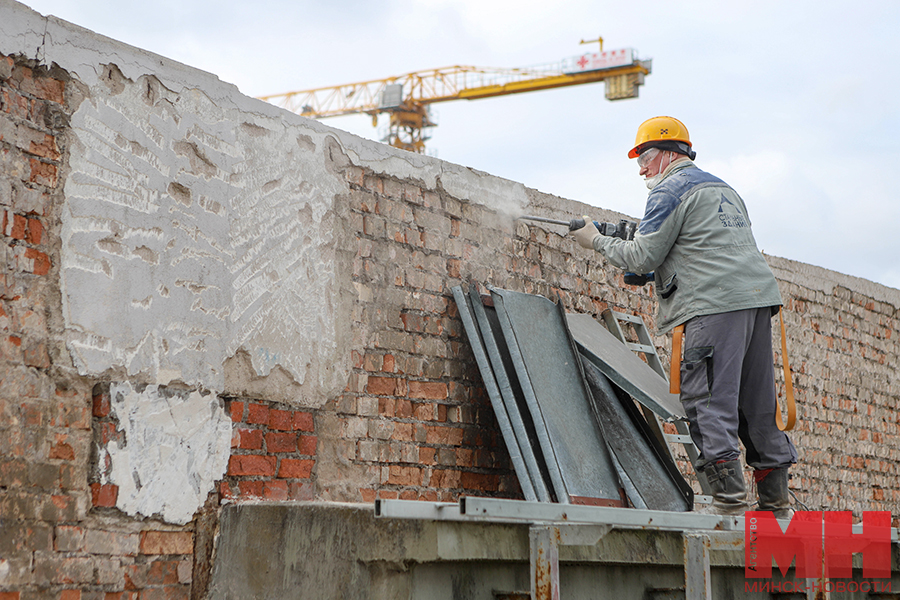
[709,275]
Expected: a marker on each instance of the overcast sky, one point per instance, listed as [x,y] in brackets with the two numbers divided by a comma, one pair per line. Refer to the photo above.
[795,103]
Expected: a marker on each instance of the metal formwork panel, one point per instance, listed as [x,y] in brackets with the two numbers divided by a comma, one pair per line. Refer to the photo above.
[623,367]
[650,477]
[512,396]
[580,466]
[488,375]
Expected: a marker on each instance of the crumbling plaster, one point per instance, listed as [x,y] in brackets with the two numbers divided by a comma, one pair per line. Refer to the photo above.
[202,225]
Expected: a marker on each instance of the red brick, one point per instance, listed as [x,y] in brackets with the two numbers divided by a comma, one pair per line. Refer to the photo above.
[307,445]
[9,595]
[70,595]
[35,231]
[107,432]
[251,489]
[100,406]
[280,420]
[45,148]
[398,475]
[14,225]
[237,411]
[281,442]
[62,450]
[429,390]
[162,572]
[275,490]
[252,465]
[294,468]
[303,421]
[389,364]
[167,542]
[383,386]
[451,436]
[41,261]
[42,173]
[258,414]
[479,481]
[250,439]
[104,494]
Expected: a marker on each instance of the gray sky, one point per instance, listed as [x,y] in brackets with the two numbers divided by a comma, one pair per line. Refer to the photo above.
[795,104]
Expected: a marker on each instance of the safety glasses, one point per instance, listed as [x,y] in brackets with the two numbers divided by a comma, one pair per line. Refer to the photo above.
[647,156]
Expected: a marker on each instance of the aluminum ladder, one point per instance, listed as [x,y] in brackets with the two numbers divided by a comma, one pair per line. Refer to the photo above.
[616,322]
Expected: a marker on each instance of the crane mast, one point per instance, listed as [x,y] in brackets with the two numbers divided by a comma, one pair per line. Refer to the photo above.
[407,98]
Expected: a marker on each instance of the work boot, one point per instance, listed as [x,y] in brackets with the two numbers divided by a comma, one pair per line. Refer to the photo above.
[772,488]
[726,482]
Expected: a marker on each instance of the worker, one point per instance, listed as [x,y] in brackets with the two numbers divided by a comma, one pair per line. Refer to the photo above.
[709,275]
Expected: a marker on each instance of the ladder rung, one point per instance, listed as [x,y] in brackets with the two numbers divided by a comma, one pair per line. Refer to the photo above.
[641,348]
[676,438]
[626,317]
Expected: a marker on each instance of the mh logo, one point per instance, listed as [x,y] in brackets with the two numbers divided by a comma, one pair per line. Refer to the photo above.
[823,543]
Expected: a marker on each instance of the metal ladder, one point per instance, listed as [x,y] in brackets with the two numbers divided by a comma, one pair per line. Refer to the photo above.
[614,322]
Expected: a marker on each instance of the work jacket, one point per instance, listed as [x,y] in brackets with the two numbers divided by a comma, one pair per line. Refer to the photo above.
[695,236]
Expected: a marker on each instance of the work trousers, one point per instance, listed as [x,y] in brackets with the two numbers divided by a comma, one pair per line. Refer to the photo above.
[728,389]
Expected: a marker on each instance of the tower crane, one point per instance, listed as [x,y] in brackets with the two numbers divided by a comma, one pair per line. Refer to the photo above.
[407,98]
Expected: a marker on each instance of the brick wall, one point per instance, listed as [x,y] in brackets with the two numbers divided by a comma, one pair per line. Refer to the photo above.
[58,536]
[413,422]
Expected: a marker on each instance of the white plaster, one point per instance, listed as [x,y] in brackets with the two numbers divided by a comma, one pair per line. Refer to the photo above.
[177,445]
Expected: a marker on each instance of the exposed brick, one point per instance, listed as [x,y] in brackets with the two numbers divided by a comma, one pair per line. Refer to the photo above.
[104,494]
[292,468]
[257,414]
[383,386]
[275,490]
[166,542]
[428,390]
[250,465]
[281,442]
[302,421]
[250,439]
[100,405]
[306,444]
[236,410]
[280,420]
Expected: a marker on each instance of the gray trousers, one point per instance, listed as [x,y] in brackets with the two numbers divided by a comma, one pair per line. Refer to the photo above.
[728,389]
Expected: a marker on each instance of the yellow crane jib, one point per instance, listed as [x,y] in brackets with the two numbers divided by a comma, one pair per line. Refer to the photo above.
[406,98]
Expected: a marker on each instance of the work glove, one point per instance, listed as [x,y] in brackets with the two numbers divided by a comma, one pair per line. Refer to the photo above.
[585,236]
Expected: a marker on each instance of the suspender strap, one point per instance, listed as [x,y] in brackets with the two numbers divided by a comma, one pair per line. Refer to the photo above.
[788,385]
[675,363]
[675,375]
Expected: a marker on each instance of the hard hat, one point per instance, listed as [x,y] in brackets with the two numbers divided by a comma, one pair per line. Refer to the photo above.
[659,129]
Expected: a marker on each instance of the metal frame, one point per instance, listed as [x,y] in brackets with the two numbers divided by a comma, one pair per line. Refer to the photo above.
[552,525]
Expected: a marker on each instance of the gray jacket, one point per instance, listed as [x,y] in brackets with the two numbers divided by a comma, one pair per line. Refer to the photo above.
[696,237]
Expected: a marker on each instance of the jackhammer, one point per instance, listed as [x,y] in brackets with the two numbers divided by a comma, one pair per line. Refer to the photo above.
[624,229]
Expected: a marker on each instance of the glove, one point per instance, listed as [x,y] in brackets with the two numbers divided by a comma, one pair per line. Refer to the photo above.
[585,236]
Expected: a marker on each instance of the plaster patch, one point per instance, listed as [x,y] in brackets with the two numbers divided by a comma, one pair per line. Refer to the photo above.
[177,445]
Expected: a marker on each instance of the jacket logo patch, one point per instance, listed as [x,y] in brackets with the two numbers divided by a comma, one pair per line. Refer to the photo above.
[729,214]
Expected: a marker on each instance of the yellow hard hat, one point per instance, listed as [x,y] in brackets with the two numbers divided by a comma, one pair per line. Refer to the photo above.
[659,129]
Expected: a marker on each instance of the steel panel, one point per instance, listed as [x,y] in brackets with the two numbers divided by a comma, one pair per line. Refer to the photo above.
[513,398]
[623,367]
[653,480]
[488,375]
[580,466]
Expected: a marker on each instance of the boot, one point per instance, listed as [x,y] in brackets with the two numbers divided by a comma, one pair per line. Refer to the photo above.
[726,481]
[772,488]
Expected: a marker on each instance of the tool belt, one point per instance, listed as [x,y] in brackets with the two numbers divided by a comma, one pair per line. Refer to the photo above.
[675,375]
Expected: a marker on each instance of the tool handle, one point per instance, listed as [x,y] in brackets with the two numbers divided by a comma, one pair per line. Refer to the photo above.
[579,223]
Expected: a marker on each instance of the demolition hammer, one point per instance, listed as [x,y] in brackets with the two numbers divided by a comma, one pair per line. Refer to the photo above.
[624,229]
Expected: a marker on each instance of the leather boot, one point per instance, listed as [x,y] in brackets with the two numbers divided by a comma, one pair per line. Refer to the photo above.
[772,488]
[726,482]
